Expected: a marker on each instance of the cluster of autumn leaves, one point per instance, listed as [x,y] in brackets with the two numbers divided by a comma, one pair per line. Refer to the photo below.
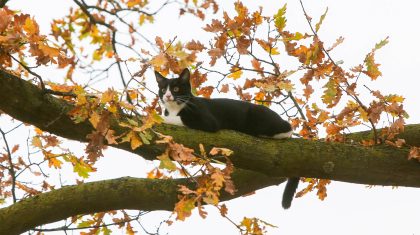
[253,59]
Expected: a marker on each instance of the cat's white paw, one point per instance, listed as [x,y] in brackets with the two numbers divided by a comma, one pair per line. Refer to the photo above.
[283,135]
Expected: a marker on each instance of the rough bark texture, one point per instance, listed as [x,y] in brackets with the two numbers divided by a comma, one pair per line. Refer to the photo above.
[379,165]
[122,193]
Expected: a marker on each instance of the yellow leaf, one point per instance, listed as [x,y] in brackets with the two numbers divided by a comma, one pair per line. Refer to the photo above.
[107,96]
[82,169]
[159,60]
[246,222]
[285,86]
[235,75]
[36,141]
[94,119]
[363,114]
[135,140]
[280,19]
[113,108]
[54,162]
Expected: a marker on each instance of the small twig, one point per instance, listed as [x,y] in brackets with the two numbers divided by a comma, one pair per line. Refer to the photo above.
[30,71]
[11,168]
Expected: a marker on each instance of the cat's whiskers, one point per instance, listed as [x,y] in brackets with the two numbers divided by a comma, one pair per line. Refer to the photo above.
[188,105]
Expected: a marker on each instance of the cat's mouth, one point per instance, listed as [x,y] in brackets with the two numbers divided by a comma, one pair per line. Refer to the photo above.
[167,99]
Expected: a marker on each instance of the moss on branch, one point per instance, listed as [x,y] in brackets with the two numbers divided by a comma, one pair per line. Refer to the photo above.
[106,195]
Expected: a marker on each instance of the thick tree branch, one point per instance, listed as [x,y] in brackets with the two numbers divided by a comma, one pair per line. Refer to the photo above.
[122,193]
[380,165]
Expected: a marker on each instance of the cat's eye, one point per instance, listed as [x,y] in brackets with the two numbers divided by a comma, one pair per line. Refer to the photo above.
[176,89]
[163,90]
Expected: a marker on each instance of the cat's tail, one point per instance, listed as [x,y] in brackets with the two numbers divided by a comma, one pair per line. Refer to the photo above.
[289,192]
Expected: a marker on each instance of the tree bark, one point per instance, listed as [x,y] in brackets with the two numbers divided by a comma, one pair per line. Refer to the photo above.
[379,165]
[106,195]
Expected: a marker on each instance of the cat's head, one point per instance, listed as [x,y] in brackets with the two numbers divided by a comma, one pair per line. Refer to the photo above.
[177,89]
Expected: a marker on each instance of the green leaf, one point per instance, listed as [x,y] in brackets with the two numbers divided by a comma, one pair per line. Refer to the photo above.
[85,224]
[330,92]
[132,122]
[318,25]
[106,231]
[280,19]
[144,138]
[166,163]
[382,43]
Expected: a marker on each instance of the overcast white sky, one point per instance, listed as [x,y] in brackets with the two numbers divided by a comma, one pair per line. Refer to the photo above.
[349,208]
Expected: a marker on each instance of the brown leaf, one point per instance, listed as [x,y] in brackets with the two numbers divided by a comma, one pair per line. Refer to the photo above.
[214,27]
[215,54]
[223,210]
[242,44]
[159,43]
[225,88]
[195,46]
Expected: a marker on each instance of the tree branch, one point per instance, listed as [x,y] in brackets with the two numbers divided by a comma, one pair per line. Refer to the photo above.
[115,194]
[379,165]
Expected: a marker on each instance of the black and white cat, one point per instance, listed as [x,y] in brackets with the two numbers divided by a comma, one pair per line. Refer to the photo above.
[211,115]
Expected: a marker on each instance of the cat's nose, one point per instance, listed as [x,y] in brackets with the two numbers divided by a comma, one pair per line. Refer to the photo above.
[168,97]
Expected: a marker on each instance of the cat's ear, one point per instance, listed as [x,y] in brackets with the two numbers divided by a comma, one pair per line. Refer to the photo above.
[159,77]
[185,76]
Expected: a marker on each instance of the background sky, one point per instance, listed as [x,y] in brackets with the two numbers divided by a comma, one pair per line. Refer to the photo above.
[349,208]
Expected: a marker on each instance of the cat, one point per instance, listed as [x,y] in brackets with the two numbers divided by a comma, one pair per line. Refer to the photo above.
[184,109]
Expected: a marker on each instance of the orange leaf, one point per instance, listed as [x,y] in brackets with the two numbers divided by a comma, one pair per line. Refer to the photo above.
[49,51]
[183,208]
[30,26]
[414,153]
[224,151]
[4,20]
[15,148]
[206,91]
[372,68]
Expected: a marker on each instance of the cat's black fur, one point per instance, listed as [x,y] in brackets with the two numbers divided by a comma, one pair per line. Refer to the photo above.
[212,115]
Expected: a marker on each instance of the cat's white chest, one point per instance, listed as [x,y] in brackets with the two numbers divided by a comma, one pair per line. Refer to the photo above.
[173,109]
